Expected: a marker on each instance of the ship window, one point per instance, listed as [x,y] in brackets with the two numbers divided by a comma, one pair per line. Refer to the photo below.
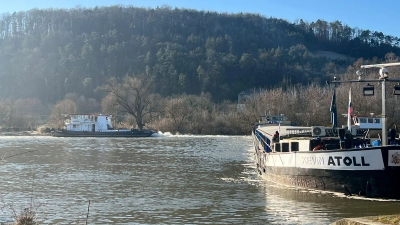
[285,147]
[370,120]
[294,146]
[74,126]
[362,120]
[277,147]
[377,121]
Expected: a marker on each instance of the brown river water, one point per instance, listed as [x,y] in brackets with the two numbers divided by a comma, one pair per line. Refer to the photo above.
[165,179]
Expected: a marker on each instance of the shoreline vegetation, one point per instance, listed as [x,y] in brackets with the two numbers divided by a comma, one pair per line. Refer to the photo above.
[24,133]
[186,114]
[370,220]
[183,114]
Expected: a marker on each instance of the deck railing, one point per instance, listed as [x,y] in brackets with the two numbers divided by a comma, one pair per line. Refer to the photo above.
[329,132]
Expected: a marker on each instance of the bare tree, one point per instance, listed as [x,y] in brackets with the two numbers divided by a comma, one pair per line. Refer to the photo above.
[132,95]
[177,111]
[303,105]
[200,117]
[66,106]
[254,106]
[85,105]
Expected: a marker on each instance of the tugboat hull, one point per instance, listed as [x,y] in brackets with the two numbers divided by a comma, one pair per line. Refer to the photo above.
[133,133]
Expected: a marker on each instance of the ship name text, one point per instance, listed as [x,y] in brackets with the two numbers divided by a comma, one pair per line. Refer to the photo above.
[347,161]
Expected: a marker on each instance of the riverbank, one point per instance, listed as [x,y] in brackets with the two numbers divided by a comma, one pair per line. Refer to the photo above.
[370,220]
[24,133]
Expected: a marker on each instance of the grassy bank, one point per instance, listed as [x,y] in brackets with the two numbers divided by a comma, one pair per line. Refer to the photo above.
[387,219]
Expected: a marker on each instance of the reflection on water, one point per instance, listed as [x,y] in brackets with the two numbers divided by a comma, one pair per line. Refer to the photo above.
[299,206]
[162,180]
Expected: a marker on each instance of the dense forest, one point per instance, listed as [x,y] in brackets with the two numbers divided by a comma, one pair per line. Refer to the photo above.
[48,55]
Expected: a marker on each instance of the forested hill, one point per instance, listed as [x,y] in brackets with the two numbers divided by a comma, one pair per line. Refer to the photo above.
[48,53]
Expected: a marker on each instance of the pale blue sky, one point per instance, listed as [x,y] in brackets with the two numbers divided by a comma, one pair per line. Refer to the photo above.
[375,15]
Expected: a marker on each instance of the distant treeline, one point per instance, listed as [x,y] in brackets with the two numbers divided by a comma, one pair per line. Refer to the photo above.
[49,53]
[52,54]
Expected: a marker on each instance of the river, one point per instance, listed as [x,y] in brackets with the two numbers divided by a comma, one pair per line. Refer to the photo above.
[158,180]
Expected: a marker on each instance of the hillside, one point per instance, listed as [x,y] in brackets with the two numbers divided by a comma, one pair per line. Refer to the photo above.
[48,54]
[334,55]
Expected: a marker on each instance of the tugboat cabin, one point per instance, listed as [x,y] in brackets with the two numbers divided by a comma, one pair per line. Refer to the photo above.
[80,122]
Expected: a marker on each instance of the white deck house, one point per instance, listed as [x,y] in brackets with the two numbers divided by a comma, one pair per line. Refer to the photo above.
[80,122]
[365,122]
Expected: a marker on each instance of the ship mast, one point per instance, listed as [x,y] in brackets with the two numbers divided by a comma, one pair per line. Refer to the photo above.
[383,78]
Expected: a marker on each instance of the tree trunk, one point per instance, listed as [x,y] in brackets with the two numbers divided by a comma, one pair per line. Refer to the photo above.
[139,122]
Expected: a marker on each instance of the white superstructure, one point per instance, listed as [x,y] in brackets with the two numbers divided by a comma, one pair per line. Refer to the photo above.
[365,122]
[85,122]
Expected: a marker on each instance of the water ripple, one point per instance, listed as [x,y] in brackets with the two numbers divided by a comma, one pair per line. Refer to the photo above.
[167,179]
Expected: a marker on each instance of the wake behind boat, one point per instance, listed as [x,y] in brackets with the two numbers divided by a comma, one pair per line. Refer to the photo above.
[83,125]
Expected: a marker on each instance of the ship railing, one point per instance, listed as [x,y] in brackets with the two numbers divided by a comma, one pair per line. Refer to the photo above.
[297,132]
[362,132]
[329,132]
[263,140]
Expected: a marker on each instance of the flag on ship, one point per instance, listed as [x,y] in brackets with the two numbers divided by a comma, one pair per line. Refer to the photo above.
[349,113]
[333,110]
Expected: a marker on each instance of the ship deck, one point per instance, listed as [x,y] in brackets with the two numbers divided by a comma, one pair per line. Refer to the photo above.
[284,130]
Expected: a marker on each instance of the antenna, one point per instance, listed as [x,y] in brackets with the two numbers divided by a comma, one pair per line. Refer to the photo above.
[384,76]
[383,65]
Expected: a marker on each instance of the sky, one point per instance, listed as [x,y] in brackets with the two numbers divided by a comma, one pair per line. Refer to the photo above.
[375,15]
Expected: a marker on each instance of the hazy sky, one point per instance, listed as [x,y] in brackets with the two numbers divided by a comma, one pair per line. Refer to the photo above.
[375,15]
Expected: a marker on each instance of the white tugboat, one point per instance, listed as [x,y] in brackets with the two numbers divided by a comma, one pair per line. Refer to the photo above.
[84,125]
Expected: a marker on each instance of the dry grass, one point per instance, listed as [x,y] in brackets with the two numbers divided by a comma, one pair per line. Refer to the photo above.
[27,217]
[388,219]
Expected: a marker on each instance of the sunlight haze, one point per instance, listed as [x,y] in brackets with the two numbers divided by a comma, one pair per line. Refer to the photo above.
[374,15]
